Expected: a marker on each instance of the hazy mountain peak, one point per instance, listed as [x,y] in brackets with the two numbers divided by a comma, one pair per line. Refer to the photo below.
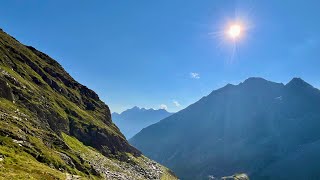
[254,85]
[131,121]
[257,81]
[139,109]
[298,82]
[228,86]
[135,108]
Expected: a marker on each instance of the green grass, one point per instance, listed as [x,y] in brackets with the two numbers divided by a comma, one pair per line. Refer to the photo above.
[76,145]
[167,176]
[112,164]
[40,115]
[18,164]
[89,153]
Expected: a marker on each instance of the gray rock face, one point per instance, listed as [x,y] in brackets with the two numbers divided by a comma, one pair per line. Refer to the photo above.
[6,91]
[236,177]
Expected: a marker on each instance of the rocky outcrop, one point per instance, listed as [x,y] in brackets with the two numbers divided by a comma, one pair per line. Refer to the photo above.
[236,177]
[5,90]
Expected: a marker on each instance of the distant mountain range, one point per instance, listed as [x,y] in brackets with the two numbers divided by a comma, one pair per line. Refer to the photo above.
[135,119]
[265,129]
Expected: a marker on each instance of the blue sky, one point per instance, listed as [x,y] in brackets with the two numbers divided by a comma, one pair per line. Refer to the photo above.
[152,53]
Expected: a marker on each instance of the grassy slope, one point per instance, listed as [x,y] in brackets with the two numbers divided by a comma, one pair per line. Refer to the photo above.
[46,115]
[90,155]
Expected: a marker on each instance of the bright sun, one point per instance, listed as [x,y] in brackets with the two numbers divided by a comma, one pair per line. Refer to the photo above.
[234,31]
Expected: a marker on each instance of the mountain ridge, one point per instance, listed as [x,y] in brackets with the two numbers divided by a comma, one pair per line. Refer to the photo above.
[51,125]
[238,128]
[133,120]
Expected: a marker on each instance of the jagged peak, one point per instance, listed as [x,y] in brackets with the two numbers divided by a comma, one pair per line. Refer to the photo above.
[229,85]
[136,108]
[252,82]
[298,82]
[255,80]
[259,82]
[115,113]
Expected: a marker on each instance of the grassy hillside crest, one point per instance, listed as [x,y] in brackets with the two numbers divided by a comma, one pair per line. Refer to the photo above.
[50,124]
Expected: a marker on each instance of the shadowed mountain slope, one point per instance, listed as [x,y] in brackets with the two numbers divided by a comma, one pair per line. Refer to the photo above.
[257,127]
